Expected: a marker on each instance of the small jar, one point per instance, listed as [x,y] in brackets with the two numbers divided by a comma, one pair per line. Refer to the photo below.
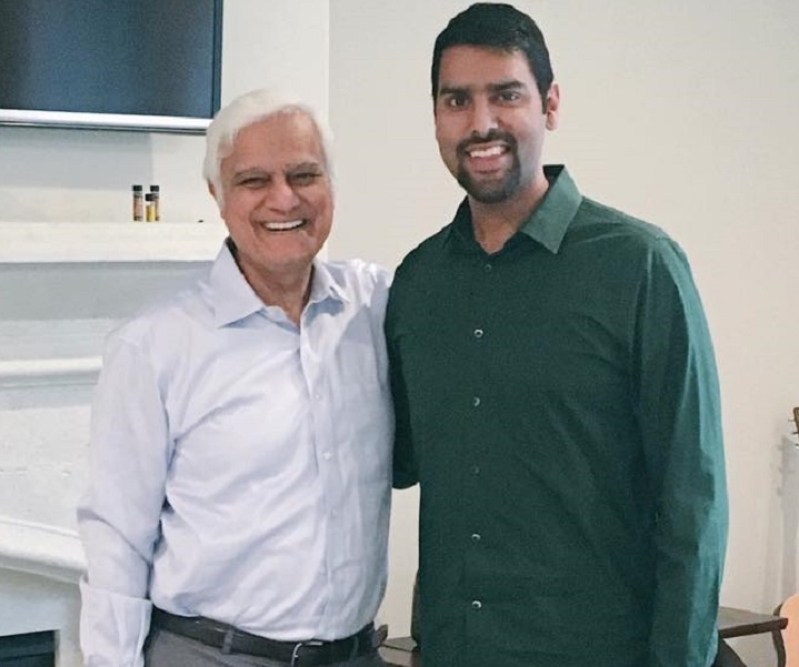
[138,203]
[149,207]
[155,191]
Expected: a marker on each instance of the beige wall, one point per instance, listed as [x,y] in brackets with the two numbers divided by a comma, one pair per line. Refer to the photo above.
[680,112]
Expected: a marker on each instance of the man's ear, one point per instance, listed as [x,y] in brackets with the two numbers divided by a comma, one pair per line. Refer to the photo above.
[552,109]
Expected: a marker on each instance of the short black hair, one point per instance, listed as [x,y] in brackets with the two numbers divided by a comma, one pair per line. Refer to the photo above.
[496,26]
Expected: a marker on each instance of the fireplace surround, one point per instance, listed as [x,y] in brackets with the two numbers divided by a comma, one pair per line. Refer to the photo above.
[64,286]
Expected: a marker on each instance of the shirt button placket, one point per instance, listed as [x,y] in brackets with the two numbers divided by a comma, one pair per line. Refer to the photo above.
[473,469]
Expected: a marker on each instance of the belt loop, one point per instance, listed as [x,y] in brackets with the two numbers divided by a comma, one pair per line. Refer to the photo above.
[227,642]
[295,654]
[355,646]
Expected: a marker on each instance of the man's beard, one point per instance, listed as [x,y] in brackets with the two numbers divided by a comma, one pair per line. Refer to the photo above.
[496,192]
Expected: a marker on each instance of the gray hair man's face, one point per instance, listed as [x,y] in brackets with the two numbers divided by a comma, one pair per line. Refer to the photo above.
[276,195]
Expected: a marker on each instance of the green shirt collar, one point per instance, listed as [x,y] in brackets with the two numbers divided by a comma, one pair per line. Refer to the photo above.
[547,223]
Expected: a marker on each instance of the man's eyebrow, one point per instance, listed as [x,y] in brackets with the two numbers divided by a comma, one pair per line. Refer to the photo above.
[451,90]
[310,165]
[494,87]
[247,172]
[498,87]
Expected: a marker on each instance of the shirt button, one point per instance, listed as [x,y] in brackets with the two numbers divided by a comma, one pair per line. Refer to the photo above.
[327,456]
[475,470]
[478,333]
[488,268]
[476,537]
[476,604]
[476,401]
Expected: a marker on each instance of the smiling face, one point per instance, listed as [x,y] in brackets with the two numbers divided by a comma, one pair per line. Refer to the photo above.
[490,123]
[277,198]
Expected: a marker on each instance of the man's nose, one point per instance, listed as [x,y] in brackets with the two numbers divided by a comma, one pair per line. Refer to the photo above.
[484,117]
[282,196]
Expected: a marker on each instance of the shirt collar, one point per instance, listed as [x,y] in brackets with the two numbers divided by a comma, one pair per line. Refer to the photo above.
[324,285]
[232,299]
[547,223]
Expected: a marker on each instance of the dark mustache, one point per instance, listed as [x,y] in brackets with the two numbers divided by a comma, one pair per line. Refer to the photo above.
[491,135]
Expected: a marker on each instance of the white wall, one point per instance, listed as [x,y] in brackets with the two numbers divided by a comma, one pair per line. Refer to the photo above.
[680,112]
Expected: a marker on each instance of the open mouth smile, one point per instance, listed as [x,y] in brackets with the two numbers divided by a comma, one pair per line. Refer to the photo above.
[287,226]
[486,159]
[483,153]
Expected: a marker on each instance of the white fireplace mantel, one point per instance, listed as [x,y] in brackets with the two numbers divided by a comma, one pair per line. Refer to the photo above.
[40,567]
[65,285]
[42,550]
[49,372]
[34,242]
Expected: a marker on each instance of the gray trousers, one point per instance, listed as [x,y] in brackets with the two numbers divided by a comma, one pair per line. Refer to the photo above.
[165,649]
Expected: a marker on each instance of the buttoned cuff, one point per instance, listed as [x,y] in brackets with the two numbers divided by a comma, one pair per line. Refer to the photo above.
[113,628]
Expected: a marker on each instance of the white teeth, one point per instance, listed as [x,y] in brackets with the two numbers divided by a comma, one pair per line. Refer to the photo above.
[486,152]
[283,226]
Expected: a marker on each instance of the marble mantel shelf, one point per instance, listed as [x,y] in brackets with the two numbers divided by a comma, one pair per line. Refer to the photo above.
[46,242]
[39,549]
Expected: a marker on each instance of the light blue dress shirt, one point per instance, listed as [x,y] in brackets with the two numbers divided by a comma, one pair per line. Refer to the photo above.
[240,465]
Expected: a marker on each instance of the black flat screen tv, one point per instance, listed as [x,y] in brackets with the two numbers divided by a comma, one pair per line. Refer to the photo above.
[152,65]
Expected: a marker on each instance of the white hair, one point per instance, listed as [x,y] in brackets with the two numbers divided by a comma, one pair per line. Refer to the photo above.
[244,111]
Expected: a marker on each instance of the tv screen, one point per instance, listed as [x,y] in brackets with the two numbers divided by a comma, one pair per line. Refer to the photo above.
[151,65]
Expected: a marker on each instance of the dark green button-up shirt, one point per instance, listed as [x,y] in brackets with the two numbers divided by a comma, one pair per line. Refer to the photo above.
[558,403]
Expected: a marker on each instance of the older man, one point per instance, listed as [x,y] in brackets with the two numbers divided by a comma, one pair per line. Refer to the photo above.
[241,432]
